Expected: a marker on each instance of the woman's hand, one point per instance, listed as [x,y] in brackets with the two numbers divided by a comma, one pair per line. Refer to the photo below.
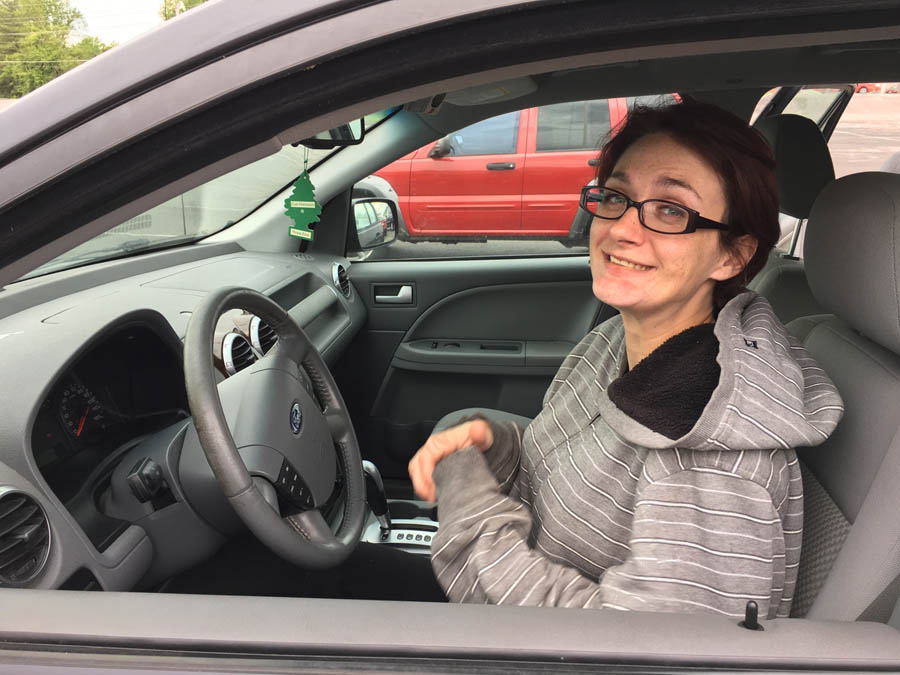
[438,446]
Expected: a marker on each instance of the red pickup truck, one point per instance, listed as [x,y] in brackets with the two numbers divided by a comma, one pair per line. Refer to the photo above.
[517,174]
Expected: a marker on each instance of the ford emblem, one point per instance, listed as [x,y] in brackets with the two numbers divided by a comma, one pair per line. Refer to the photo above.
[296,418]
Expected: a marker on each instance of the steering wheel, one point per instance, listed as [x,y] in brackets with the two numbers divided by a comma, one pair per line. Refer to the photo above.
[279,436]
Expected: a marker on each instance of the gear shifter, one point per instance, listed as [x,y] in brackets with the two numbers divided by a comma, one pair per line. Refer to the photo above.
[376,497]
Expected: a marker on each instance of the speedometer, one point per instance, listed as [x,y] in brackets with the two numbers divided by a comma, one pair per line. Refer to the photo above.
[80,411]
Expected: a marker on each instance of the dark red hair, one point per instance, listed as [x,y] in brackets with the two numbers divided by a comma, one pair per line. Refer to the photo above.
[738,154]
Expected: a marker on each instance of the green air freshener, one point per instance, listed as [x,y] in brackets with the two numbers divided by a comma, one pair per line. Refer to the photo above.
[302,208]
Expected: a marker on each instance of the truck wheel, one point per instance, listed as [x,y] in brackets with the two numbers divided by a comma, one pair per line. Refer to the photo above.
[579,230]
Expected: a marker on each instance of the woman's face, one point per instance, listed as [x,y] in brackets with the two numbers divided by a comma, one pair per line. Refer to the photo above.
[645,274]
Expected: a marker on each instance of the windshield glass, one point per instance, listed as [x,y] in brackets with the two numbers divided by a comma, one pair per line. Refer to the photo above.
[200,212]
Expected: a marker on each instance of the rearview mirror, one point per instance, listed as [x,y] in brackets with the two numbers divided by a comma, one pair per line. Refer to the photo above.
[375,222]
[346,134]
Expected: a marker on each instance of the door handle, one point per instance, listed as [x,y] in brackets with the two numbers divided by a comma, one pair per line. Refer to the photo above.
[403,296]
[501,166]
[594,162]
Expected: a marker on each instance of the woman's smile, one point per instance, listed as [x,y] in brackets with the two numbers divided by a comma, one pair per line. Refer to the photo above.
[616,261]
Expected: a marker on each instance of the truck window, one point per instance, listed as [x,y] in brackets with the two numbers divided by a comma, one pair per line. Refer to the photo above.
[494,136]
[579,125]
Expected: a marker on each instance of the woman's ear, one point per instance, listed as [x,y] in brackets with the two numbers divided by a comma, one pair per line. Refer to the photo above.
[736,257]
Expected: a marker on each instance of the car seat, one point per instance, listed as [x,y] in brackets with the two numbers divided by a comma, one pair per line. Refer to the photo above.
[802,168]
[850,559]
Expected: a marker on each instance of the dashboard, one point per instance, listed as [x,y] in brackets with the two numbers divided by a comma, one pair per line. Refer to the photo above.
[95,389]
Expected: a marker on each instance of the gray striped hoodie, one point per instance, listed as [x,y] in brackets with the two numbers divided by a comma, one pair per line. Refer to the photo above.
[586,507]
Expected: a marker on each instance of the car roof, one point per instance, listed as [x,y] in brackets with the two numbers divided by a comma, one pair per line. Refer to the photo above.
[185,43]
[190,41]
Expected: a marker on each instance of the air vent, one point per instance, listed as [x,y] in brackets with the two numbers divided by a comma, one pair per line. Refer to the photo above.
[236,353]
[24,538]
[341,280]
[262,337]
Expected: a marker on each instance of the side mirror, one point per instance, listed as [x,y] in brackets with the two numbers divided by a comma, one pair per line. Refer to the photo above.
[374,222]
[442,148]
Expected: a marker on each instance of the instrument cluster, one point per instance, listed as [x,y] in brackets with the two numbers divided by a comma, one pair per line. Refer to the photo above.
[129,385]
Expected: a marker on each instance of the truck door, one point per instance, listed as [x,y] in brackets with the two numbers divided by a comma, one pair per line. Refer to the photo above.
[563,144]
[470,182]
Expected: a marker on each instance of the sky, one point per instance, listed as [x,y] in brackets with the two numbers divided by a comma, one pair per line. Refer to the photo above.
[118,20]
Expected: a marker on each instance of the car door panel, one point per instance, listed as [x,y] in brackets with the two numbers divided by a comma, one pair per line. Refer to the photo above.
[478,333]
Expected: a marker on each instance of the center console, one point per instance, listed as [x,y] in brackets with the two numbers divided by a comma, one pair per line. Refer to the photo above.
[413,525]
[407,524]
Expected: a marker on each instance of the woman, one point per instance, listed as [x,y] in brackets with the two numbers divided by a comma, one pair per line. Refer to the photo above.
[660,474]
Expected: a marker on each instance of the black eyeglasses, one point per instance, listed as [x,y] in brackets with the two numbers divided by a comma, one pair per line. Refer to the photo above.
[658,215]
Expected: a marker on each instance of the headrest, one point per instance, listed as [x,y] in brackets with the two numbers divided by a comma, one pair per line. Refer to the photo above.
[852,254]
[802,161]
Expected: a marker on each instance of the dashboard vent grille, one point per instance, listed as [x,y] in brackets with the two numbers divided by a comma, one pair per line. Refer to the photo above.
[24,538]
[237,353]
[262,335]
[341,280]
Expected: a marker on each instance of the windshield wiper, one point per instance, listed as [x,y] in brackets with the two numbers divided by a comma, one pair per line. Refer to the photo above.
[122,250]
[128,246]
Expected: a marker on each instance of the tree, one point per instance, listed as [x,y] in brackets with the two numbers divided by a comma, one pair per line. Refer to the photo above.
[37,44]
[171,8]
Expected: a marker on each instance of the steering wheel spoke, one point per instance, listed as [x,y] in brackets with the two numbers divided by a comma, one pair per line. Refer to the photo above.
[296,350]
[293,489]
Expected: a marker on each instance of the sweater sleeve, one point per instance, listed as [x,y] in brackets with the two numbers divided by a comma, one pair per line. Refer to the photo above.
[701,542]
[504,454]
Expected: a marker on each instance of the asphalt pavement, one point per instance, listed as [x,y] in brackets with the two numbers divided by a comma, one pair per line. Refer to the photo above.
[867,134]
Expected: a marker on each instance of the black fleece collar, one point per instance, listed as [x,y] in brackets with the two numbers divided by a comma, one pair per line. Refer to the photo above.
[668,390]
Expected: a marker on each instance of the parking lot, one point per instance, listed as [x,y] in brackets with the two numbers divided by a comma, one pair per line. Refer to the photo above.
[867,135]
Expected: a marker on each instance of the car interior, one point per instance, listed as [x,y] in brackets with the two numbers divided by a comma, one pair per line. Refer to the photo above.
[149,376]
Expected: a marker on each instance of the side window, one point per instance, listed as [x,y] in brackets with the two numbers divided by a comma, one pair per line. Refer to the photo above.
[579,125]
[813,103]
[362,213]
[494,136]
[477,194]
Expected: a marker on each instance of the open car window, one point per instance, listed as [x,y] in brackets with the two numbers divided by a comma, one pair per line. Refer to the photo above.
[507,186]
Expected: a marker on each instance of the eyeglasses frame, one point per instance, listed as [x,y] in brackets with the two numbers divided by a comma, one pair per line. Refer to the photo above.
[695,220]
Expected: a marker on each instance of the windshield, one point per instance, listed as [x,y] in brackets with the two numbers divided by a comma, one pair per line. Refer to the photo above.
[200,212]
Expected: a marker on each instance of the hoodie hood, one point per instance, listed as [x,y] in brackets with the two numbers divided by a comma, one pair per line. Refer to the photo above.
[770,392]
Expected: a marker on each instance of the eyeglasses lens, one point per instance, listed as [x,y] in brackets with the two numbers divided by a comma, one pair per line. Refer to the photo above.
[665,217]
[657,215]
[605,203]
